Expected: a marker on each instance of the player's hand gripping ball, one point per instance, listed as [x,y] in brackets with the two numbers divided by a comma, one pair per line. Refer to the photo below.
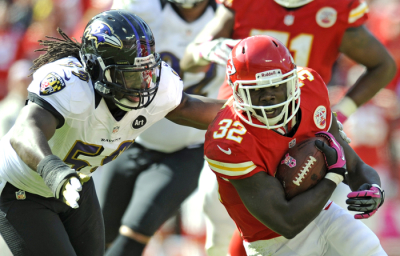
[301,168]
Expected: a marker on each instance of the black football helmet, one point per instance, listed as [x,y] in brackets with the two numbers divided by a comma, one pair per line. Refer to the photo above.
[118,51]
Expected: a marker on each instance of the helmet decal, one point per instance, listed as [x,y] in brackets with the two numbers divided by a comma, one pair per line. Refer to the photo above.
[138,44]
[230,68]
[102,34]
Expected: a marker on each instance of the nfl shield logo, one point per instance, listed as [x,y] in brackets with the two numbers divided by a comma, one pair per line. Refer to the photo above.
[115,129]
[288,20]
[20,195]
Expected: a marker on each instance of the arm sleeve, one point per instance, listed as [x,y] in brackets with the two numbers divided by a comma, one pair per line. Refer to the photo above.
[357,13]
[233,164]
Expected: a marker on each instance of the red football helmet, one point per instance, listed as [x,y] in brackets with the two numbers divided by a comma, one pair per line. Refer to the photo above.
[259,62]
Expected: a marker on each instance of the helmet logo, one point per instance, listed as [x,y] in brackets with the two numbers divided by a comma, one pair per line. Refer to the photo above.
[269,74]
[102,33]
[230,68]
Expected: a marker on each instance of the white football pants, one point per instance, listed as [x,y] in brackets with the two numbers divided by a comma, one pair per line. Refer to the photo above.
[334,232]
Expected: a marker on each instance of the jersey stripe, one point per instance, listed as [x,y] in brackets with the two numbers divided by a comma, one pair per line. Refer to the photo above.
[229,168]
[358,12]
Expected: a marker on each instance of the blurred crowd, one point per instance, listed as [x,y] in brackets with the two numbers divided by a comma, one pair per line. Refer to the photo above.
[22,24]
[374,128]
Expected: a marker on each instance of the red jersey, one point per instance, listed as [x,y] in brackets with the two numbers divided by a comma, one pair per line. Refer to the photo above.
[236,150]
[312,33]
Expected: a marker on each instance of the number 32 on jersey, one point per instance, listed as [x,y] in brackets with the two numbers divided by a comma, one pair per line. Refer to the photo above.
[230,130]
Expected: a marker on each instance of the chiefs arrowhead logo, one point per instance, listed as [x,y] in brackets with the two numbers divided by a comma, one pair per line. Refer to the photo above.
[230,68]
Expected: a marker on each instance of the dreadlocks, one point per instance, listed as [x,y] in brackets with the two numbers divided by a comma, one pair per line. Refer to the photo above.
[56,49]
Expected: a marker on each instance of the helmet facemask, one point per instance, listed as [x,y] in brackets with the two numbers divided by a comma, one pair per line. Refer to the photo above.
[130,86]
[246,110]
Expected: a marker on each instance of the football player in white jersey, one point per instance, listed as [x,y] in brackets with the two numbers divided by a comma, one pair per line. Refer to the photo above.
[168,155]
[87,104]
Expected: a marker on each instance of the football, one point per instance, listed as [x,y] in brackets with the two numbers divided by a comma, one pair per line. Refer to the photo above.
[301,168]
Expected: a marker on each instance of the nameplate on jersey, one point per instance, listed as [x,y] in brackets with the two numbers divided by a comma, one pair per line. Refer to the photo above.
[52,83]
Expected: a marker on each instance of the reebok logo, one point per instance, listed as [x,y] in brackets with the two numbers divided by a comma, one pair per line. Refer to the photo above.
[228,152]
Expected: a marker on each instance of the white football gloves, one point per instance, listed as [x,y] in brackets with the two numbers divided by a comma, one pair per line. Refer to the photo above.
[70,192]
[217,51]
[64,182]
[71,189]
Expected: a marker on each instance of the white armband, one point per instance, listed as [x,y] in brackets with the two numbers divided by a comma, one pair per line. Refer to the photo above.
[337,178]
[346,106]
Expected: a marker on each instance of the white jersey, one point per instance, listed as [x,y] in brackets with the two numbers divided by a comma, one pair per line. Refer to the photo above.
[172,35]
[88,135]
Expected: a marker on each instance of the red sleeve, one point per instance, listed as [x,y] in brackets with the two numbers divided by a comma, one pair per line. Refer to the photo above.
[230,161]
[315,97]
[357,13]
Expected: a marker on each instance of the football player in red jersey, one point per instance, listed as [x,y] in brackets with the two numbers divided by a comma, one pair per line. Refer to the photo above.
[275,106]
[314,31]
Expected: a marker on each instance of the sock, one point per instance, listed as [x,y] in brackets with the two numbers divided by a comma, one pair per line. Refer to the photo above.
[125,246]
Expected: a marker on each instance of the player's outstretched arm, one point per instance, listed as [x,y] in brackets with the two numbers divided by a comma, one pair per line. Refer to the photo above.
[33,128]
[361,46]
[264,197]
[362,179]
[198,53]
[195,111]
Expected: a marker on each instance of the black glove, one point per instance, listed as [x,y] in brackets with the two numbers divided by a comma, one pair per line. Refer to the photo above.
[334,157]
[367,199]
